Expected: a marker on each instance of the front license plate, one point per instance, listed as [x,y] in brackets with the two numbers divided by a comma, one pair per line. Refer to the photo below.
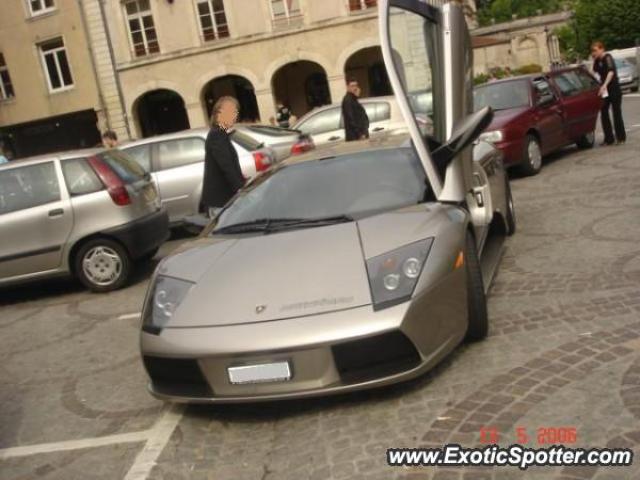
[261,373]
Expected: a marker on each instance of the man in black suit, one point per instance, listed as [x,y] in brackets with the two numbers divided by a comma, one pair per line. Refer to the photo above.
[356,121]
[222,174]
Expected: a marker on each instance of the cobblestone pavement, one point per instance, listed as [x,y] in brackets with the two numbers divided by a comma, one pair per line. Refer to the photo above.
[564,350]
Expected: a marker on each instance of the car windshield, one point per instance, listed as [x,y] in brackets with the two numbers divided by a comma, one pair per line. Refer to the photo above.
[502,95]
[340,187]
[622,63]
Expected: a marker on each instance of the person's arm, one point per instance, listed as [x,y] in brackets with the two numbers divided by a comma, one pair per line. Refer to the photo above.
[218,150]
[611,66]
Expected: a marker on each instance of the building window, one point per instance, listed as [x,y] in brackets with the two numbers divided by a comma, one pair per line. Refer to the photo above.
[141,28]
[38,7]
[6,88]
[56,65]
[213,20]
[356,5]
[285,12]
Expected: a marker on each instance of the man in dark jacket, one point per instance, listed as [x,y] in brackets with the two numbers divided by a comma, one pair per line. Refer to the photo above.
[222,174]
[356,122]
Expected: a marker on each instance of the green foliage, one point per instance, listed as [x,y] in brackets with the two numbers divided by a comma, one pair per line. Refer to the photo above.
[503,10]
[499,73]
[614,22]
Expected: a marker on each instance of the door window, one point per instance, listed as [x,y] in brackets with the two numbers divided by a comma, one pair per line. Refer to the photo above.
[28,187]
[543,88]
[177,153]
[378,111]
[141,155]
[588,82]
[569,84]
[80,177]
[322,122]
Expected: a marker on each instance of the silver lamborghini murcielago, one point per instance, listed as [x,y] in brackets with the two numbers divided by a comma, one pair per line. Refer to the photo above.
[352,267]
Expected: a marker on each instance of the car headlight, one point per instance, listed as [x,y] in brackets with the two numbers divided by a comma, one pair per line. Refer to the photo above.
[394,275]
[163,299]
[492,137]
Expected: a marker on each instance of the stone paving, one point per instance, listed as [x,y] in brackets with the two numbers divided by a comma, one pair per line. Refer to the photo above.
[564,351]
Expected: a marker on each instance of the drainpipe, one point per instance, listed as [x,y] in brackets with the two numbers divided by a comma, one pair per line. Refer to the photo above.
[113,65]
[85,27]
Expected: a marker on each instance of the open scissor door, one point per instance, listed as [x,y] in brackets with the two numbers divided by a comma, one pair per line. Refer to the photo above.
[427,55]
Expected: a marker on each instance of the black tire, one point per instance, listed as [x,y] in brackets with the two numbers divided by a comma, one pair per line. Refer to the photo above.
[587,141]
[511,210]
[531,166]
[476,299]
[102,265]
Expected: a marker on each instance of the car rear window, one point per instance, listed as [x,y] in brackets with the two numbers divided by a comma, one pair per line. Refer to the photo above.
[124,166]
[272,131]
[80,177]
[245,141]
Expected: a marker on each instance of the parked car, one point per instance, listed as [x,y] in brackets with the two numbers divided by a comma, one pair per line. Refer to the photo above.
[283,141]
[352,266]
[538,114]
[87,213]
[176,163]
[325,124]
[627,75]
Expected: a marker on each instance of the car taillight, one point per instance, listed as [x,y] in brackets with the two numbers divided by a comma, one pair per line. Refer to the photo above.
[115,186]
[262,160]
[302,146]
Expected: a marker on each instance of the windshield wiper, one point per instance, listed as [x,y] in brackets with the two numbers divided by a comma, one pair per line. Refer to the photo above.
[282,224]
[259,225]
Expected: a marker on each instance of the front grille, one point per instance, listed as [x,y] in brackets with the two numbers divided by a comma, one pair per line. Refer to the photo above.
[375,357]
[177,377]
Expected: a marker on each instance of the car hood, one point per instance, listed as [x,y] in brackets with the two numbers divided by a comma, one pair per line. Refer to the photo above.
[258,278]
[503,117]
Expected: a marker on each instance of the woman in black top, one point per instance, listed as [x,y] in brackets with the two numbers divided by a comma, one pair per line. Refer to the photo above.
[605,67]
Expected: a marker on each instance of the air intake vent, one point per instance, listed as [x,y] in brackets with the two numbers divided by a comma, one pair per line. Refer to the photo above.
[177,377]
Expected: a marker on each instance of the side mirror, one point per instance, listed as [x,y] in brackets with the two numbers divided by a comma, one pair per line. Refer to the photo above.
[465,133]
[546,99]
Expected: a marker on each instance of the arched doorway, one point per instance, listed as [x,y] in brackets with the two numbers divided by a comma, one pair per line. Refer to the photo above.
[302,86]
[235,86]
[160,111]
[367,66]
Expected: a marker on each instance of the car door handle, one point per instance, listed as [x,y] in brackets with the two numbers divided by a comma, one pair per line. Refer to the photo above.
[333,139]
[378,129]
[56,212]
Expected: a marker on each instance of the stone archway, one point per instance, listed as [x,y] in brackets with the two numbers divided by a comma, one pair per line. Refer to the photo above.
[235,86]
[160,111]
[301,85]
[367,66]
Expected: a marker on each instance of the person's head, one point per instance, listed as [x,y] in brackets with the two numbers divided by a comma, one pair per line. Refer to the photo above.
[353,86]
[109,139]
[597,49]
[225,112]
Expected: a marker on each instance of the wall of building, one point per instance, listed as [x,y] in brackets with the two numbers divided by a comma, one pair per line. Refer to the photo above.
[20,35]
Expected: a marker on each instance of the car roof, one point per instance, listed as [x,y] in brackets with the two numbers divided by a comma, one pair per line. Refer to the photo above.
[531,76]
[86,152]
[348,148]
[387,98]
[193,132]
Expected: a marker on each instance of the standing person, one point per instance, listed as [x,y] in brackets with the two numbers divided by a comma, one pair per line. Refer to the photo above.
[222,174]
[356,121]
[611,93]
[283,115]
[109,139]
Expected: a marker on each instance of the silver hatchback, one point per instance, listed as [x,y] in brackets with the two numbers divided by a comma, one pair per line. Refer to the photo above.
[87,213]
[176,163]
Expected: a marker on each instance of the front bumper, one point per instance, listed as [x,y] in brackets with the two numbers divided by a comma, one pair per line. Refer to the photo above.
[331,353]
[512,150]
[144,234]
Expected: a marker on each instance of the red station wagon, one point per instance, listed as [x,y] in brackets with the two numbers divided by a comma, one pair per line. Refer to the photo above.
[538,114]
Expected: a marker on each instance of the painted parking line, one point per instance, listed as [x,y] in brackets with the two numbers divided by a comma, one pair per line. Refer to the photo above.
[129,316]
[157,440]
[67,445]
